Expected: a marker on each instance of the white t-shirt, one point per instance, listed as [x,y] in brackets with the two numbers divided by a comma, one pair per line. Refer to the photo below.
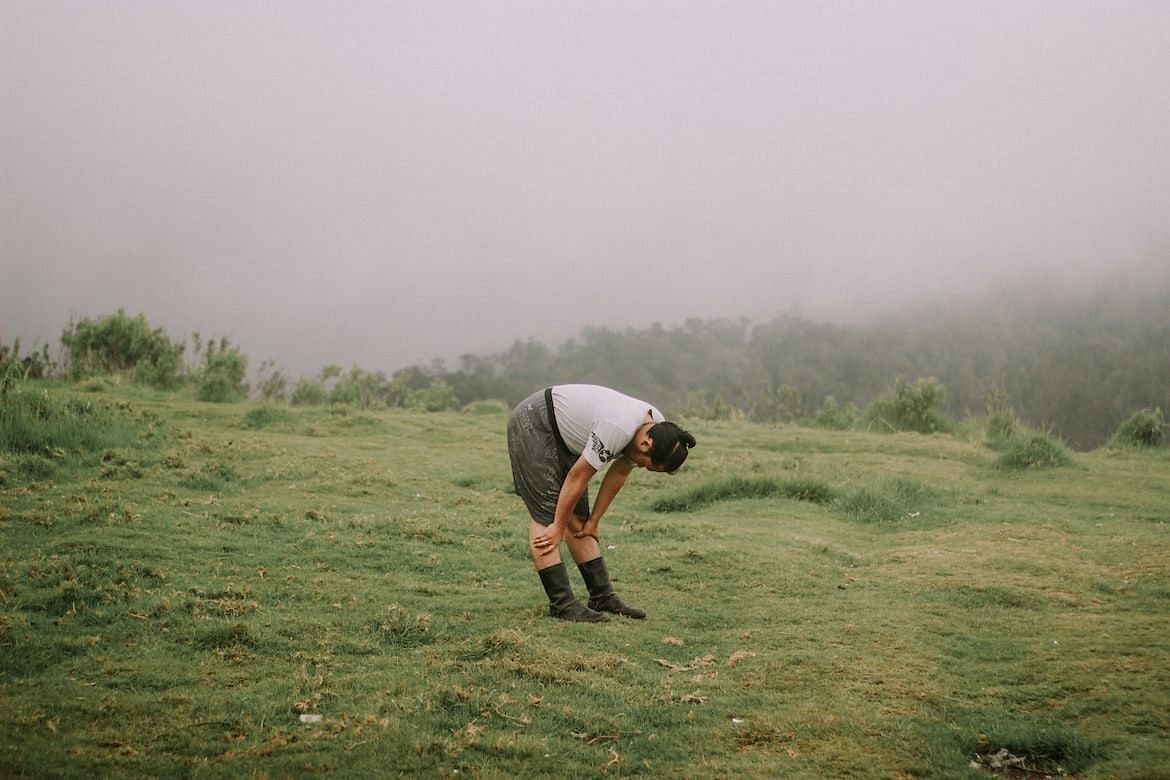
[598,422]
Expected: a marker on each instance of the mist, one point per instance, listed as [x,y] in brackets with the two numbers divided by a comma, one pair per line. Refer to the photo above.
[383,184]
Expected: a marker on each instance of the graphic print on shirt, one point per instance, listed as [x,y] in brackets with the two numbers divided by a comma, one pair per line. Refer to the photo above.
[603,455]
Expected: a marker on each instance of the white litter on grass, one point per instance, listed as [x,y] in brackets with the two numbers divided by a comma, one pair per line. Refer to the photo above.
[611,547]
[737,720]
[311,717]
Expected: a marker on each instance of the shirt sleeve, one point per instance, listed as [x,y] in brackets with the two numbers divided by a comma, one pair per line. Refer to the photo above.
[606,442]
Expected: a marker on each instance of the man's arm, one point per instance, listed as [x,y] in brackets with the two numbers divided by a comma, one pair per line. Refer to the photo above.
[571,492]
[611,483]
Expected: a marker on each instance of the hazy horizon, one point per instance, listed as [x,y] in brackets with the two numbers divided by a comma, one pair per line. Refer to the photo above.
[383,184]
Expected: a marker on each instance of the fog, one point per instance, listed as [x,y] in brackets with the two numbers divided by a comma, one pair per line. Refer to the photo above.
[383,183]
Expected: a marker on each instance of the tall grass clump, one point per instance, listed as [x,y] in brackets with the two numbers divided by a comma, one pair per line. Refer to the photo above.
[1025,749]
[888,501]
[911,407]
[1144,429]
[1001,421]
[264,415]
[37,423]
[736,488]
[1031,450]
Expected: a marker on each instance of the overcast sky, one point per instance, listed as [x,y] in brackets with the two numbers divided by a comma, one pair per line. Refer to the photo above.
[382,183]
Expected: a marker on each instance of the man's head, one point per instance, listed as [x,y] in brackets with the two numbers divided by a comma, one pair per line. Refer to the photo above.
[660,447]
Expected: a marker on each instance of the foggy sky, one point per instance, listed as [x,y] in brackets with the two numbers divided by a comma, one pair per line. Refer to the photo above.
[383,183]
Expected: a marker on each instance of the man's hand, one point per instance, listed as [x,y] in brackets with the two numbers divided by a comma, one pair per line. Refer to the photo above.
[550,539]
[588,528]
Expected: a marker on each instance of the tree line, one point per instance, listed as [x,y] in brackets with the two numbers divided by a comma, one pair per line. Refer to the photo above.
[1076,367]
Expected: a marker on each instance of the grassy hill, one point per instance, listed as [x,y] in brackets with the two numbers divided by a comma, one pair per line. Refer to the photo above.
[179,586]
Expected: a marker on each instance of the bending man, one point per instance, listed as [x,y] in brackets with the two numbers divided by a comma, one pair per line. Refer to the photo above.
[558,439]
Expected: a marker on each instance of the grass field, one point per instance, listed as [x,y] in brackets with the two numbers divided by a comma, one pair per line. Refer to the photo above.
[173,599]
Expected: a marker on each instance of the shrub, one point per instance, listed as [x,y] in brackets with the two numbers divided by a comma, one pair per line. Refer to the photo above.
[439,397]
[360,388]
[1145,429]
[696,407]
[784,404]
[1033,451]
[271,387]
[835,417]
[222,378]
[307,393]
[118,344]
[916,407]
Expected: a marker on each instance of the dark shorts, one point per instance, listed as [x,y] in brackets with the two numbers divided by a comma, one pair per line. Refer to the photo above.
[539,463]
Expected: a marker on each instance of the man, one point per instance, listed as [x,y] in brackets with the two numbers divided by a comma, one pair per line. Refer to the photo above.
[558,439]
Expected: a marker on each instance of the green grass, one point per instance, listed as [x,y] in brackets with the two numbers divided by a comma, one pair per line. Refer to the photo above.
[821,604]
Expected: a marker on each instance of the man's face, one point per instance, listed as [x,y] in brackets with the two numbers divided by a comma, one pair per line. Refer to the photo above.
[638,453]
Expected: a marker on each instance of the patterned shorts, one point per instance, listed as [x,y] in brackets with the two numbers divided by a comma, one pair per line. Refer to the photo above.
[539,463]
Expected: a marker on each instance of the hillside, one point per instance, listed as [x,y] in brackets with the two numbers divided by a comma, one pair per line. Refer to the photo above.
[180,588]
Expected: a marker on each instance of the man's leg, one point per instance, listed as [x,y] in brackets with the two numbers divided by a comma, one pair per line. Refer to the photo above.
[555,579]
[586,553]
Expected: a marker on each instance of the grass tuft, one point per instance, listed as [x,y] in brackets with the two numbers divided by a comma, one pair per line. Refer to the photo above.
[265,415]
[1022,749]
[46,424]
[888,501]
[1031,451]
[1144,429]
[738,488]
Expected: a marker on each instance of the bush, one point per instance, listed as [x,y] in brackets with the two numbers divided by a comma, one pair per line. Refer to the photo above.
[307,393]
[916,407]
[1032,451]
[360,388]
[117,344]
[439,397]
[222,378]
[271,387]
[1145,429]
[696,407]
[784,405]
[834,417]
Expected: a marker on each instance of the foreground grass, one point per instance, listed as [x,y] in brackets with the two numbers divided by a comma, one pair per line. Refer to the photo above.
[821,604]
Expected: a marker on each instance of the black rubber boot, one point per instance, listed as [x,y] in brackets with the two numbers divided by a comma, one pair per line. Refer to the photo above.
[561,601]
[601,595]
